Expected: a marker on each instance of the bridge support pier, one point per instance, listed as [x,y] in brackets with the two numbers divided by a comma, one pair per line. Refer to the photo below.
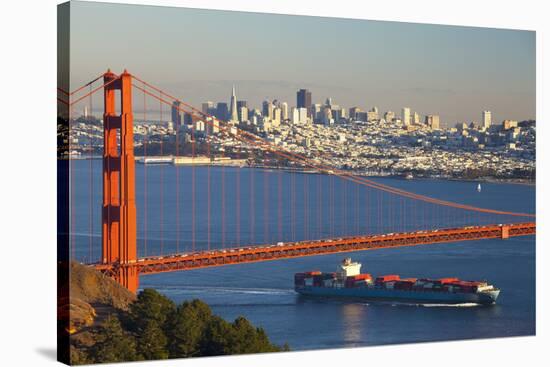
[505,232]
[119,207]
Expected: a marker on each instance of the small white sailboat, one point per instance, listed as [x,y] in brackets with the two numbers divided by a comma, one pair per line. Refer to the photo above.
[478,187]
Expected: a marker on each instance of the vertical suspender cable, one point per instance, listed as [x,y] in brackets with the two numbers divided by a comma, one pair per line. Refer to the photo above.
[266,205]
[193,187]
[223,199]
[238,205]
[208,186]
[306,206]
[91,171]
[177,127]
[252,209]
[279,203]
[145,143]
[161,214]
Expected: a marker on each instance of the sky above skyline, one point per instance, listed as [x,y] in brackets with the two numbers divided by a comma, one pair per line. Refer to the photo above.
[198,55]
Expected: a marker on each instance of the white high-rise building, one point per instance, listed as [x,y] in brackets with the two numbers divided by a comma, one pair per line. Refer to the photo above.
[295,119]
[433,121]
[486,119]
[406,116]
[243,114]
[234,114]
[303,115]
[416,118]
[276,121]
[284,111]
[389,116]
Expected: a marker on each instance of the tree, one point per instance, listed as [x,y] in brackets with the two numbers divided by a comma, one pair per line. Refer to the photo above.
[186,327]
[248,339]
[151,342]
[218,338]
[239,337]
[113,343]
[149,306]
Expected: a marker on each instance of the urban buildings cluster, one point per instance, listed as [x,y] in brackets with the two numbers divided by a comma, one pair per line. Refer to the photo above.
[367,142]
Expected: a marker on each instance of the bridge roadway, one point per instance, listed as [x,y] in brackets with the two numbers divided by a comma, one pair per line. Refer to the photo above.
[240,255]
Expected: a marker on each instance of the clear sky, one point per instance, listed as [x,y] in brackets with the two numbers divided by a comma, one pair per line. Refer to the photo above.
[198,55]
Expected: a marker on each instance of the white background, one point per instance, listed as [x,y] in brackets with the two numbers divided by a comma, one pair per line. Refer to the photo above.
[28,195]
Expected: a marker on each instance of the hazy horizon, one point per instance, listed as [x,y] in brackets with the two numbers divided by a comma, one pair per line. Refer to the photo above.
[197,55]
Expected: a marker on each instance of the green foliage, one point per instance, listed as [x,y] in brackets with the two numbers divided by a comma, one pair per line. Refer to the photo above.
[113,343]
[186,328]
[154,328]
[239,337]
[152,342]
[150,306]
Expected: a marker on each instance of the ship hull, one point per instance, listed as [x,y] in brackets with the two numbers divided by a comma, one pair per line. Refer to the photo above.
[484,298]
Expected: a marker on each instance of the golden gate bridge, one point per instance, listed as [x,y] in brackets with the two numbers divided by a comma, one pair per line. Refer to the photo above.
[119,247]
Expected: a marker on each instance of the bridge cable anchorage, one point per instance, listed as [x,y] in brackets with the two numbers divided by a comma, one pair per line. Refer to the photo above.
[297,158]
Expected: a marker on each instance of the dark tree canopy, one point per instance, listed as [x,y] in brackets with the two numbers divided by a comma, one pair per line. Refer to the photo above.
[155,328]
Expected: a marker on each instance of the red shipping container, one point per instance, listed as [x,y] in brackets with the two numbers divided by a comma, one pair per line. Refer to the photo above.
[448,280]
[387,278]
[361,276]
[315,272]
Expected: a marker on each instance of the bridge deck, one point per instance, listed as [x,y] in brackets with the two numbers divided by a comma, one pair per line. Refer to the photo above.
[204,259]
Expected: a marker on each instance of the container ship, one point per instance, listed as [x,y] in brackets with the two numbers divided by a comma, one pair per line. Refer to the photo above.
[348,281]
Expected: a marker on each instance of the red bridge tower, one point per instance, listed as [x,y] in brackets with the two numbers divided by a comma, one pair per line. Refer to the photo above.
[119,207]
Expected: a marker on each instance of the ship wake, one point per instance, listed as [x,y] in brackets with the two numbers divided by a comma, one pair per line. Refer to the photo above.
[456,305]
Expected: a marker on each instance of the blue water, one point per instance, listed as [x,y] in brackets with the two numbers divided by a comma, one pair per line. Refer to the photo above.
[263,292]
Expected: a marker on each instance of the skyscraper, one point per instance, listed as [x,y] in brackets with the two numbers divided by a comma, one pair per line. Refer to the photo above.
[432,121]
[389,116]
[486,119]
[208,108]
[284,111]
[234,116]
[267,109]
[406,116]
[176,114]
[416,118]
[353,112]
[243,113]
[241,104]
[303,100]
[222,112]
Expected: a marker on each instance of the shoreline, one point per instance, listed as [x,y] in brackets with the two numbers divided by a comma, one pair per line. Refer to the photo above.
[233,163]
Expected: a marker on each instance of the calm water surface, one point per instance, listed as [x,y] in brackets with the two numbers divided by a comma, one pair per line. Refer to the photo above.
[315,206]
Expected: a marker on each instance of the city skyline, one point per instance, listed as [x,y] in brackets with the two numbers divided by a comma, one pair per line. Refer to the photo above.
[454,72]
[234,99]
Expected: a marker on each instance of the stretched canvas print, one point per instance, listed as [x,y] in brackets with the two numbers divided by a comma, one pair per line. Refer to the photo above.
[234,183]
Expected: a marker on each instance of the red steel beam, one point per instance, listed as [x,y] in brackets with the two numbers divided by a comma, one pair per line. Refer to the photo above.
[206,259]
